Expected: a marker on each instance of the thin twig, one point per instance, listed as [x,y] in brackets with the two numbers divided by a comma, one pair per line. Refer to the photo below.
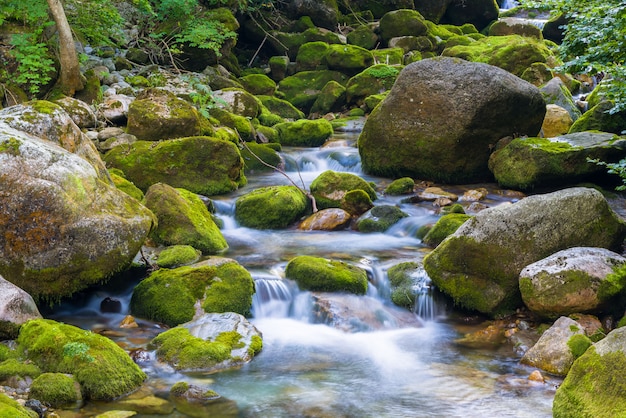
[257,50]
[302,189]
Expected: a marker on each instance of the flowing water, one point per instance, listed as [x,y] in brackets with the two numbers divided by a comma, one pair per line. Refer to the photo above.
[312,369]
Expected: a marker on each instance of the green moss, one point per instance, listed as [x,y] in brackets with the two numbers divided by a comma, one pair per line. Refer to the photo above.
[400,186]
[256,345]
[320,274]
[332,98]
[349,59]
[186,352]
[55,389]
[388,56]
[302,88]
[252,152]
[230,291]
[10,146]
[137,81]
[380,218]
[13,367]
[356,202]
[267,118]
[104,372]
[304,132]
[126,186]
[240,124]
[578,344]
[10,408]
[183,163]
[594,387]
[312,56]
[614,284]
[183,219]
[177,255]
[402,283]
[373,80]
[258,84]
[281,107]
[446,225]
[330,188]
[271,207]
[598,118]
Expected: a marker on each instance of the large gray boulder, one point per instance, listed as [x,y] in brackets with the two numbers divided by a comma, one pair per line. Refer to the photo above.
[442,118]
[595,384]
[479,265]
[16,307]
[575,280]
[64,225]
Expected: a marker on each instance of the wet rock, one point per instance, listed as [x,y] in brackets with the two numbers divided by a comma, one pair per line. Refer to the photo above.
[210,343]
[552,353]
[110,305]
[380,218]
[518,234]
[488,337]
[16,308]
[575,280]
[352,313]
[331,219]
[200,402]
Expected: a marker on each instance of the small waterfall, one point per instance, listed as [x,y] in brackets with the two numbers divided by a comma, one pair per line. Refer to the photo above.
[276,297]
[508,4]
[425,307]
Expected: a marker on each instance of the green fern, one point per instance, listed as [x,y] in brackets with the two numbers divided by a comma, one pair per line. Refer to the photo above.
[34,69]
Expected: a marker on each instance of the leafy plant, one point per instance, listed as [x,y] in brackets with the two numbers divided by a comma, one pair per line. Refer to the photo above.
[77,350]
[34,63]
[593,41]
[202,96]
[618,168]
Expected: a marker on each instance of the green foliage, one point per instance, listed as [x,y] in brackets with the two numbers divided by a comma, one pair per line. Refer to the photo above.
[618,168]
[202,96]
[78,350]
[34,63]
[594,41]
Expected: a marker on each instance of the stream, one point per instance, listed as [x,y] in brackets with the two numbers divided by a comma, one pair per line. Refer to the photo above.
[311,369]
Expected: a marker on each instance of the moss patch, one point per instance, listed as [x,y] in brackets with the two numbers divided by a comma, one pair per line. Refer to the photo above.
[177,255]
[56,390]
[304,132]
[271,207]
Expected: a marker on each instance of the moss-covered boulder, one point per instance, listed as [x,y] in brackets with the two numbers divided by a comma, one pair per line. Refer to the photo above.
[321,274]
[63,222]
[599,118]
[281,107]
[177,255]
[102,368]
[158,114]
[20,370]
[552,352]
[517,235]
[446,225]
[16,308]
[388,56]
[10,408]
[331,219]
[56,389]
[258,84]
[312,56]
[411,44]
[403,22]
[304,132]
[513,53]
[216,285]
[241,125]
[405,280]
[183,219]
[237,101]
[356,202]
[213,342]
[404,185]
[278,67]
[363,36]
[380,218]
[374,80]
[331,99]
[574,280]
[267,153]
[330,188]
[302,89]
[271,207]
[348,59]
[125,185]
[201,164]
[428,127]
[595,383]
[528,163]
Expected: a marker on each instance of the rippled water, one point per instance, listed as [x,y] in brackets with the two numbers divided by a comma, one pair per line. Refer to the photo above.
[307,369]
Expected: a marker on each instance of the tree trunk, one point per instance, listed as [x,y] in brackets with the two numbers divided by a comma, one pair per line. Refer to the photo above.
[70,80]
